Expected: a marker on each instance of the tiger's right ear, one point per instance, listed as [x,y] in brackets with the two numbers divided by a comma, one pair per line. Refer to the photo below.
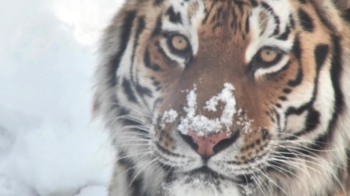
[342,4]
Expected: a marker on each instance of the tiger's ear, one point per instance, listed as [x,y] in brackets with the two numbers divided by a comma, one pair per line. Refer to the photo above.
[342,4]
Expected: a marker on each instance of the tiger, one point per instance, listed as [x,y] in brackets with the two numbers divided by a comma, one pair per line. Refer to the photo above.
[227,97]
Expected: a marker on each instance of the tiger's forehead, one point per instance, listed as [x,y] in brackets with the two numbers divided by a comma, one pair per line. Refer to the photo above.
[257,19]
[234,14]
[225,8]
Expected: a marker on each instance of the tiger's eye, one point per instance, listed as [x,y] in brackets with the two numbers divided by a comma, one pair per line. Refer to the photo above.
[268,55]
[179,42]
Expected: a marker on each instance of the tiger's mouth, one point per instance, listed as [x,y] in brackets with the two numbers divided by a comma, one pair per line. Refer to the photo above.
[206,181]
[203,174]
[206,174]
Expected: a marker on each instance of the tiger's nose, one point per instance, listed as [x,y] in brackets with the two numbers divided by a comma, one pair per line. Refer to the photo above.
[208,146]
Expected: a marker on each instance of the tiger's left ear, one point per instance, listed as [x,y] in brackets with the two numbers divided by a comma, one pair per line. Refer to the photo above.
[342,4]
[329,11]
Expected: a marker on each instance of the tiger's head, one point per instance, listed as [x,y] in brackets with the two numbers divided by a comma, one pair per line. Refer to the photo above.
[228,97]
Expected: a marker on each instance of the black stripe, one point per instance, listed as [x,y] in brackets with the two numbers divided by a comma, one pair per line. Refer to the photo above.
[158,29]
[291,21]
[297,81]
[296,48]
[123,161]
[135,182]
[297,52]
[284,155]
[278,118]
[346,15]
[144,91]
[276,18]
[135,185]
[123,111]
[140,27]
[265,134]
[299,110]
[128,91]
[147,59]
[234,22]
[208,13]
[254,3]
[219,15]
[239,4]
[141,133]
[305,21]
[285,34]
[129,122]
[313,115]
[166,151]
[174,17]
[312,120]
[156,83]
[148,63]
[336,71]
[158,2]
[124,39]
[247,27]
[321,54]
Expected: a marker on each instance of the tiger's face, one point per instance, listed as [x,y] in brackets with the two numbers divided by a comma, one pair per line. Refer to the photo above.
[239,95]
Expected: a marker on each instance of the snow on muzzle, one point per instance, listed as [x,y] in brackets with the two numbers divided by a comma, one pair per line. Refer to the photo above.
[208,136]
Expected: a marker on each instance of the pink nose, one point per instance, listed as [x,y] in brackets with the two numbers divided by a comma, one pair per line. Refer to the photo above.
[210,145]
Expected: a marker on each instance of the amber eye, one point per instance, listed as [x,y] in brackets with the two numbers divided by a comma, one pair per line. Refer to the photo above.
[179,42]
[268,55]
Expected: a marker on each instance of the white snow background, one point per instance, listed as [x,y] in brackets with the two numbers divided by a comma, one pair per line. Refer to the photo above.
[48,145]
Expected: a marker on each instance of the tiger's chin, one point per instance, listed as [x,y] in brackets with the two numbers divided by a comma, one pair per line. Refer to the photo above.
[203,182]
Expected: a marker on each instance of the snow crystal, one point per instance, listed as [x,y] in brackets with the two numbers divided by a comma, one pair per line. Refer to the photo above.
[191,103]
[226,97]
[203,125]
[170,116]
[244,121]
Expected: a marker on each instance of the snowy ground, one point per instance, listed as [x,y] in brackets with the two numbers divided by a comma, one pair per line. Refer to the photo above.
[48,145]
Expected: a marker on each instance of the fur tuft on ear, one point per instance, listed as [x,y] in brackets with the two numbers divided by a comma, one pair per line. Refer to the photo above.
[342,4]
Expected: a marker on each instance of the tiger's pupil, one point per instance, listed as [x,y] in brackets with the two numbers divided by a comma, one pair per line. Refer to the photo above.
[179,42]
[268,55]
